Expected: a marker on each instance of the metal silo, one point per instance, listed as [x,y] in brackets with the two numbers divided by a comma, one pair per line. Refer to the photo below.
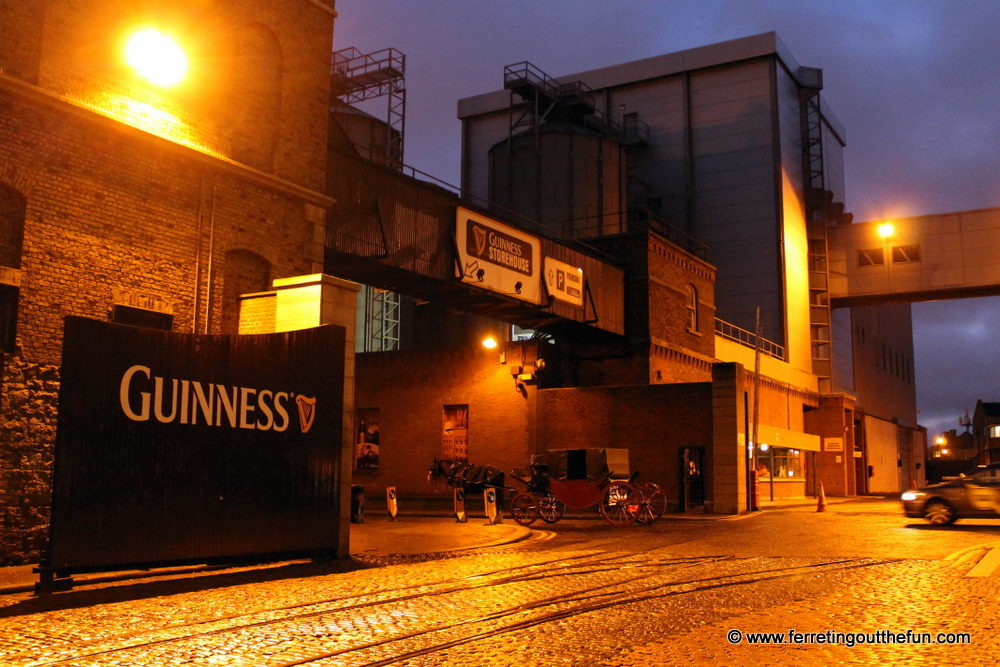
[567,177]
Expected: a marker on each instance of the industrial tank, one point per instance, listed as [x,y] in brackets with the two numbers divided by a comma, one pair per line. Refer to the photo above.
[574,182]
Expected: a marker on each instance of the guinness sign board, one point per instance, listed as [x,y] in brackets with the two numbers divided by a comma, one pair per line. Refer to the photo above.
[177,448]
[499,258]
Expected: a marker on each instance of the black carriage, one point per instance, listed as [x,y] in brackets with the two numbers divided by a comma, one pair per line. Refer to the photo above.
[583,478]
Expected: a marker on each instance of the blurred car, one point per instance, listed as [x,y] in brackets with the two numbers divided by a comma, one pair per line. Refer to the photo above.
[972,495]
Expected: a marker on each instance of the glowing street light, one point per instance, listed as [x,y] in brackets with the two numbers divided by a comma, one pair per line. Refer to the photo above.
[886,230]
[156,57]
[489,343]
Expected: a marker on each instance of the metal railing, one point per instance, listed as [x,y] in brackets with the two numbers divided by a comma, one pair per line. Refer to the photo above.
[749,339]
[351,62]
[524,72]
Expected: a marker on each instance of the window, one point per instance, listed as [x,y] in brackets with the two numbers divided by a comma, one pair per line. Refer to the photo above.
[872,257]
[13,206]
[692,308]
[455,439]
[8,317]
[905,253]
[140,317]
[995,431]
[787,463]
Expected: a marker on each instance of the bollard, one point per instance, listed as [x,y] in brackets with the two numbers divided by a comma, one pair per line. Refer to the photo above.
[357,503]
[493,512]
[390,502]
[460,515]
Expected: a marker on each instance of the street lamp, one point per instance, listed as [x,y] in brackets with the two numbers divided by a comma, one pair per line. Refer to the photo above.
[156,57]
[886,230]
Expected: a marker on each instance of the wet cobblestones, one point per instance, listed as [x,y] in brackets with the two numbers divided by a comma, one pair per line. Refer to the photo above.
[518,606]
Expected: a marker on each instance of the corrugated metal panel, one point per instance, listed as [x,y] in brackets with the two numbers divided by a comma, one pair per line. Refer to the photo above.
[383,215]
[605,283]
[400,223]
[188,477]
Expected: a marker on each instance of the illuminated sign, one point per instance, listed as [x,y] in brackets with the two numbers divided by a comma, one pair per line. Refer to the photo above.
[564,281]
[497,257]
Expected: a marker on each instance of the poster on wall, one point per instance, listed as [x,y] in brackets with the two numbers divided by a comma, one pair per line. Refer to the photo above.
[366,446]
[564,281]
[455,439]
[497,257]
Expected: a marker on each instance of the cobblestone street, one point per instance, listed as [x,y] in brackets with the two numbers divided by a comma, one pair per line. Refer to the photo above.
[585,596]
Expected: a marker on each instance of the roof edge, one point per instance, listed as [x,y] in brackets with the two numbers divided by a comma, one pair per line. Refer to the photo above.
[644,69]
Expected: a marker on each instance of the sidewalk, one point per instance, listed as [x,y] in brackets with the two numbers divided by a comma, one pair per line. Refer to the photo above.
[376,537]
[410,534]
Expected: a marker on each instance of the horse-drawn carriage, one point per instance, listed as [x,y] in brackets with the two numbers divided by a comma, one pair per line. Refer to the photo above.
[582,478]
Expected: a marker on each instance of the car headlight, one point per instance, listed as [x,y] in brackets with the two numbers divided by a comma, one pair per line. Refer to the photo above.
[911,495]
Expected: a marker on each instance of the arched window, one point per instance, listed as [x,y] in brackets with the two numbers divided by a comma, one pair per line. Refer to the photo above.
[692,308]
[12,210]
[256,100]
[245,273]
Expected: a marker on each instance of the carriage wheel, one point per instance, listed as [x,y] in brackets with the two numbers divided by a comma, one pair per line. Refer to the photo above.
[524,509]
[620,504]
[652,505]
[550,508]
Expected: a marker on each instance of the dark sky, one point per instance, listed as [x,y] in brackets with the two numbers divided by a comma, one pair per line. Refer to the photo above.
[914,82]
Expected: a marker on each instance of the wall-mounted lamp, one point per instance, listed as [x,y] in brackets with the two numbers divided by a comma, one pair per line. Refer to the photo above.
[490,343]
[156,57]
[886,229]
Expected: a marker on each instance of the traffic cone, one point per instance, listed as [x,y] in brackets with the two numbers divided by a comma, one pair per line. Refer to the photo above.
[821,504]
[913,483]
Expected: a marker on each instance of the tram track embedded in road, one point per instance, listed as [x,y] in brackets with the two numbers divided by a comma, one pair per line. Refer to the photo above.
[581,601]
[553,567]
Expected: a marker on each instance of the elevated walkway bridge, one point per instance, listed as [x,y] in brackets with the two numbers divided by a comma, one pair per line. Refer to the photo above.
[924,258]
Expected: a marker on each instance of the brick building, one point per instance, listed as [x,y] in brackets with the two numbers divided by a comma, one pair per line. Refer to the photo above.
[141,203]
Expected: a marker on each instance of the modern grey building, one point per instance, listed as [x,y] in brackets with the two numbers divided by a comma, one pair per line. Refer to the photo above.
[732,144]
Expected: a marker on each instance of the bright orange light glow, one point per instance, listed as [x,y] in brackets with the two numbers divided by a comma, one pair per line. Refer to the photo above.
[156,57]
[940,441]
[886,230]
[489,343]
[944,451]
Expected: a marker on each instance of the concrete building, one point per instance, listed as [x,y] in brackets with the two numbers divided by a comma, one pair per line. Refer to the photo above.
[986,432]
[732,144]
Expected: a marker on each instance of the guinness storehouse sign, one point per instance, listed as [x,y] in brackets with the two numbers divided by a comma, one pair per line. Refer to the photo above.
[497,257]
[179,448]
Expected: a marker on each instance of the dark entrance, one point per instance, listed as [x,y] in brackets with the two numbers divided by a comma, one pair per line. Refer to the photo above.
[692,480]
[176,448]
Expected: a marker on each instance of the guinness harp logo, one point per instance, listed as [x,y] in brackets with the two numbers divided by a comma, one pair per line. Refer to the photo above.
[480,240]
[307,412]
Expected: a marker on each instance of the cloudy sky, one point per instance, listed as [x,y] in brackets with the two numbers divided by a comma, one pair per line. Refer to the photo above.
[914,82]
